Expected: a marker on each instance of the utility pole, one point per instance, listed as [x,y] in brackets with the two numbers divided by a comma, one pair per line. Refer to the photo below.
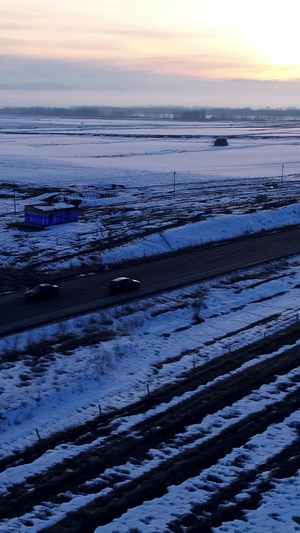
[174,175]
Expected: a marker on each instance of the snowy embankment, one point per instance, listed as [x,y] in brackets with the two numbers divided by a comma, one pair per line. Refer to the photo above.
[216,229]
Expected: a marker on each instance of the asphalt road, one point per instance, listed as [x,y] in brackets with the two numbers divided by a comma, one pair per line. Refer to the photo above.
[82,294]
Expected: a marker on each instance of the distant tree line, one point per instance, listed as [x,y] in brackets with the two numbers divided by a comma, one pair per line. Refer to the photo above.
[194,114]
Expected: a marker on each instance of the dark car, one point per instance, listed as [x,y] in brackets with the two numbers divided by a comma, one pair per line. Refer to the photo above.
[43,291]
[120,285]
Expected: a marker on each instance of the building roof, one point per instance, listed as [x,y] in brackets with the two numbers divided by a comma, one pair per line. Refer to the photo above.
[58,206]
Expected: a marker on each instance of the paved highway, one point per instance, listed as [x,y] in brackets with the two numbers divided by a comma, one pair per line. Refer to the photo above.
[87,293]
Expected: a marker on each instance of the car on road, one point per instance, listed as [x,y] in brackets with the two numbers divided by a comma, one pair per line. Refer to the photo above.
[41,292]
[123,284]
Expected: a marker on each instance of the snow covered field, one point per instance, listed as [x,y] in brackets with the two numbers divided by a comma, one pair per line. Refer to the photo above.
[259,170]
[93,152]
[49,384]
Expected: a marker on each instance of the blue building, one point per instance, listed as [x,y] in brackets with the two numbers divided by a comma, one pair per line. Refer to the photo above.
[48,215]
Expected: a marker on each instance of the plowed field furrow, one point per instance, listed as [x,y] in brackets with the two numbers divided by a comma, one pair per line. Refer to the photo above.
[162,428]
[99,427]
[215,511]
[174,471]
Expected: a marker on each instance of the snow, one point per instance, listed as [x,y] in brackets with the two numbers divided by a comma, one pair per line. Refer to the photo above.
[71,388]
[68,152]
[53,207]
[225,227]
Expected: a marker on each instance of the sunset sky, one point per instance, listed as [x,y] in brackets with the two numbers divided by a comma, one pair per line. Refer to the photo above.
[150,52]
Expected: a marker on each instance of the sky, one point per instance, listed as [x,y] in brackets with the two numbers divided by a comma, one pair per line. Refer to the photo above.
[148,52]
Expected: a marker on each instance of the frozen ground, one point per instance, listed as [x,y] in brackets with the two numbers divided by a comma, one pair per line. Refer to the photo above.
[93,152]
[48,385]
[132,203]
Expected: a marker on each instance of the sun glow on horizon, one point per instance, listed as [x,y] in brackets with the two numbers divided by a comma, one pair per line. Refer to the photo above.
[270,33]
[193,41]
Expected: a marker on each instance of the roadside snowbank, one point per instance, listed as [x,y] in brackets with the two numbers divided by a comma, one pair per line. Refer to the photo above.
[217,229]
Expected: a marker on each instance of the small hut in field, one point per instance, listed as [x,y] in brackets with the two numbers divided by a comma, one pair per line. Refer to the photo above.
[43,214]
[221,141]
